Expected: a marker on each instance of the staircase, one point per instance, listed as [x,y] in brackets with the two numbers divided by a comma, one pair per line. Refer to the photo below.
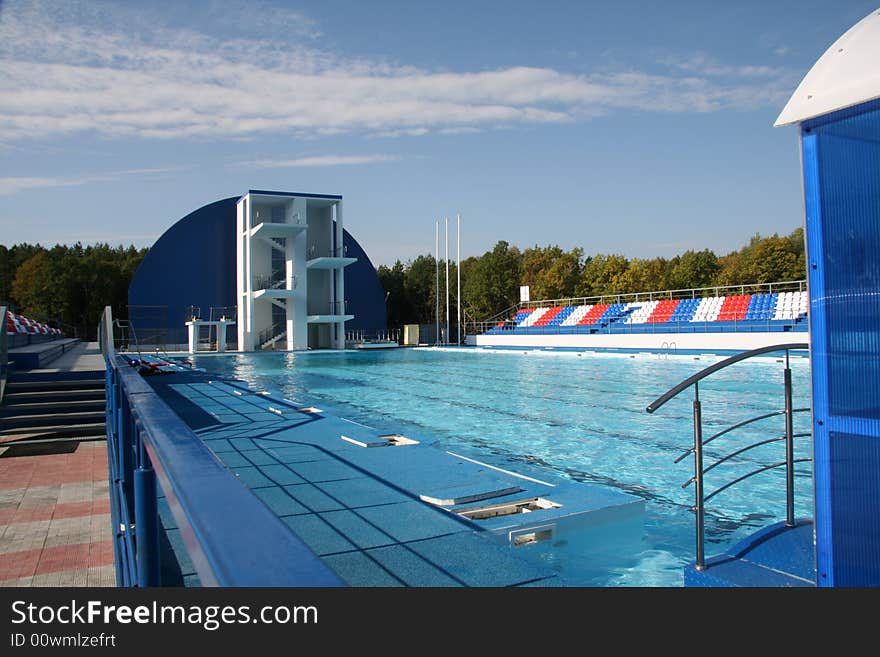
[271,342]
[268,338]
[41,408]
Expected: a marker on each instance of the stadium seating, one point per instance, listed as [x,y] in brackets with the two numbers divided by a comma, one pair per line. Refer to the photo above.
[776,311]
[20,325]
[641,311]
[663,311]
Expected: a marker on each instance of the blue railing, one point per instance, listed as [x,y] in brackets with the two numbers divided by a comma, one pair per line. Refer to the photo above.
[232,538]
[4,353]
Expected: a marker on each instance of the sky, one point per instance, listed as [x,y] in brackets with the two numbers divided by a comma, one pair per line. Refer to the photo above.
[631,127]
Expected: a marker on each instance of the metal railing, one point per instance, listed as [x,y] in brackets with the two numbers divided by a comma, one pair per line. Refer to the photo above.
[277,329]
[329,252]
[223,312]
[4,353]
[277,280]
[361,336]
[232,538]
[683,293]
[280,218]
[700,498]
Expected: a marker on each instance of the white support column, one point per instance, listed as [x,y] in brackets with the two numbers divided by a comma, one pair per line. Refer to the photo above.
[221,336]
[193,335]
[298,248]
[248,344]
[339,328]
[240,274]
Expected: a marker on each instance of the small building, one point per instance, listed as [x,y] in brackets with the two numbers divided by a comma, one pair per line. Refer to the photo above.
[837,109]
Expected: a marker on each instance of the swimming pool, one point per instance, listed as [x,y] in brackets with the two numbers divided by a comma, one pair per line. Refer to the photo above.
[580,415]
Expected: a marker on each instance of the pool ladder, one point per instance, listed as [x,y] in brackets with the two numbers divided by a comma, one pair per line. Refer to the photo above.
[665,349]
[700,498]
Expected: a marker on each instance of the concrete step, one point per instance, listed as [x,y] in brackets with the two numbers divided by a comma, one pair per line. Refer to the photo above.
[14,386]
[49,439]
[56,431]
[42,420]
[90,394]
[54,407]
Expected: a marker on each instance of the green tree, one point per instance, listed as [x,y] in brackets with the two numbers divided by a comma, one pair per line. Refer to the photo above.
[602,274]
[420,288]
[70,285]
[645,276]
[771,260]
[493,283]
[550,272]
[33,286]
[393,281]
[694,269]
[10,260]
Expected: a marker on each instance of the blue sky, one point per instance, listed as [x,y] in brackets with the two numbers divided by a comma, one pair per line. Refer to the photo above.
[639,128]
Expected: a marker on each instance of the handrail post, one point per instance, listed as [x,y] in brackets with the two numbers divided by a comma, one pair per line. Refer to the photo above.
[789,447]
[698,475]
[146,515]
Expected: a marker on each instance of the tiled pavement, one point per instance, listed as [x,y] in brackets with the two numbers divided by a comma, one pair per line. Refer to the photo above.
[55,527]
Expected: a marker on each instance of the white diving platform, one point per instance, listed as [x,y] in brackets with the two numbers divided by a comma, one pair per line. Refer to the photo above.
[193,332]
[329,262]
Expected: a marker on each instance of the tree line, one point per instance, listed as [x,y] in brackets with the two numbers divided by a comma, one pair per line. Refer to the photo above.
[490,283]
[68,286]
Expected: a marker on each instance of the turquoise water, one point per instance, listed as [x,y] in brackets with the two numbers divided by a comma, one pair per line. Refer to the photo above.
[580,416]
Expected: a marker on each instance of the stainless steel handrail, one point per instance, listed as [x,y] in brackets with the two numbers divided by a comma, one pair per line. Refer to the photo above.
[720,365]
[700,498]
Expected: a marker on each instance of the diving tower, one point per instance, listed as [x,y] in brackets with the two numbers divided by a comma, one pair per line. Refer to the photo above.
[290,261]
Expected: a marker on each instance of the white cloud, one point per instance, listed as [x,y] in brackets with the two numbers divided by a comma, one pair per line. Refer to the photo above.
[319,161]
[705,65]
[70,68]
[15,184]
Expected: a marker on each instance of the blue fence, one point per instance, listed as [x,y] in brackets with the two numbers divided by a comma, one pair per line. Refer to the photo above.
[4,353]
[232,538]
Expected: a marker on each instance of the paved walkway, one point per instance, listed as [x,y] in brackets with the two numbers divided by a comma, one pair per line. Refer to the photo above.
[84,357]
[55,527]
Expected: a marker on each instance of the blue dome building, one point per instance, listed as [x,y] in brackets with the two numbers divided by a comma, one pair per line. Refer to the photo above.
[278,267]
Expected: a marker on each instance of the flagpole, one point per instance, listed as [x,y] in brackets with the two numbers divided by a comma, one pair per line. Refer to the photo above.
[437,288]
[458,275]
[447,280]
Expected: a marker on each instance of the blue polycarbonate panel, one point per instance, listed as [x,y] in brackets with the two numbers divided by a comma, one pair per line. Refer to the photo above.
[850,192]
[855,459]
[818,357]
[841,156]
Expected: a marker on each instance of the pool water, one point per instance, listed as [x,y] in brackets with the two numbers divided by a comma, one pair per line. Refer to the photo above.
[581,416]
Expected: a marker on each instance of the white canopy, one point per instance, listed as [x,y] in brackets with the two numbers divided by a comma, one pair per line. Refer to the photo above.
[847,74]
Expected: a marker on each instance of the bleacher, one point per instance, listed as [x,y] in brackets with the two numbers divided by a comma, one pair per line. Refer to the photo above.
[32,344]
[759,311]
[22,331]
[21,325]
